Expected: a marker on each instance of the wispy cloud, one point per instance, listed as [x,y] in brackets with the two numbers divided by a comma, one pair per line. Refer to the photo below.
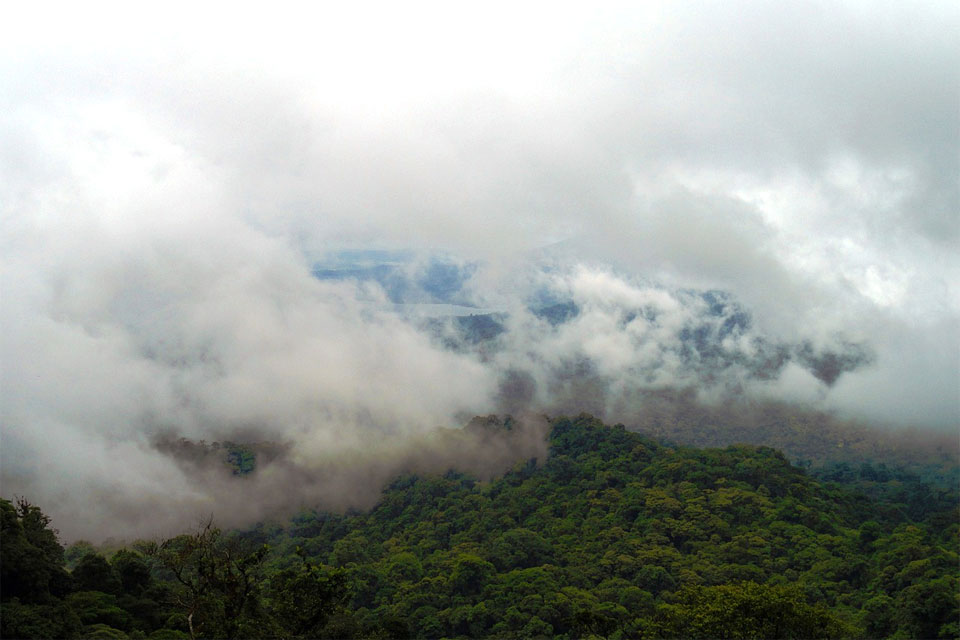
[168,179]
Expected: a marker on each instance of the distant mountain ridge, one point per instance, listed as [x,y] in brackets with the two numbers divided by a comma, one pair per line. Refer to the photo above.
[720,339]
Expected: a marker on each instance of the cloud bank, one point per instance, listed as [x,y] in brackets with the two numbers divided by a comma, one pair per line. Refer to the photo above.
[169,181]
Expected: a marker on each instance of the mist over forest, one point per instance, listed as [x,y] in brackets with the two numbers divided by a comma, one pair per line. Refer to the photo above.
[262,262]
[421,320]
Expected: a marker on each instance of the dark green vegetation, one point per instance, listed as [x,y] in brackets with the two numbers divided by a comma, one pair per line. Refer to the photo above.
[615,535]
[241,459]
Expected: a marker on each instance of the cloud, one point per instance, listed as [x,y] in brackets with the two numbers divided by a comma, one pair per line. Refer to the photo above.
[212,331]
[169,180]
[613,336]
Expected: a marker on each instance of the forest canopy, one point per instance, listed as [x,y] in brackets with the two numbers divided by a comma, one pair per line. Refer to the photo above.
[615,534]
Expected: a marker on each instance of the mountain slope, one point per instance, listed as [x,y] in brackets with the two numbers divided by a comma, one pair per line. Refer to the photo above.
[614,535]
[618,535]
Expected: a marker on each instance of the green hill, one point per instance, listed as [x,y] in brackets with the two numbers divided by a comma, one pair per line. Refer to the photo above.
[614,535]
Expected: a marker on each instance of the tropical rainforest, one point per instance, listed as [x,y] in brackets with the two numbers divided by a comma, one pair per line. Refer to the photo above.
[615,534]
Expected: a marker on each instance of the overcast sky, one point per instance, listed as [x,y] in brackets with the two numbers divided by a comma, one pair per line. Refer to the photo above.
[167,173]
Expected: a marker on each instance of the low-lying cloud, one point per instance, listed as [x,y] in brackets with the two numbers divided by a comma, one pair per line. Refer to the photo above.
[748,201]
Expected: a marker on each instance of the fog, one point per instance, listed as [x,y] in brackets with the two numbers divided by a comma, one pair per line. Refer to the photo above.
[741,200]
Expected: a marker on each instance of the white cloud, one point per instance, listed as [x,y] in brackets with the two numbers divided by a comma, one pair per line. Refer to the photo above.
[165,170]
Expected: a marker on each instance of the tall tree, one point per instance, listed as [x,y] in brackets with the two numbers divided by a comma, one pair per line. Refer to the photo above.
[217,582]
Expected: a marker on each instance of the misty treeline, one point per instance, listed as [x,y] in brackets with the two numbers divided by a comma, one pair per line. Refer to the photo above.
[277,481]
[810,438]
[614,534]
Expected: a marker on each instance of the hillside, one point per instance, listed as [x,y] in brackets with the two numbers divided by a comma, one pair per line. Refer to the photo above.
[615,535]
[813,439]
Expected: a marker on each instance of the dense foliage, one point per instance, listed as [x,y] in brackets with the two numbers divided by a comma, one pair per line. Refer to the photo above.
[615,535]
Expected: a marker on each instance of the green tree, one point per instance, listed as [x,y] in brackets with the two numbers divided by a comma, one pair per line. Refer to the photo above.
[303,599]
[471,574]
[94,573]
[132,570]
[96,607]
[746,610]
[40,621]
[216,582]
[521,549]
[31,558]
